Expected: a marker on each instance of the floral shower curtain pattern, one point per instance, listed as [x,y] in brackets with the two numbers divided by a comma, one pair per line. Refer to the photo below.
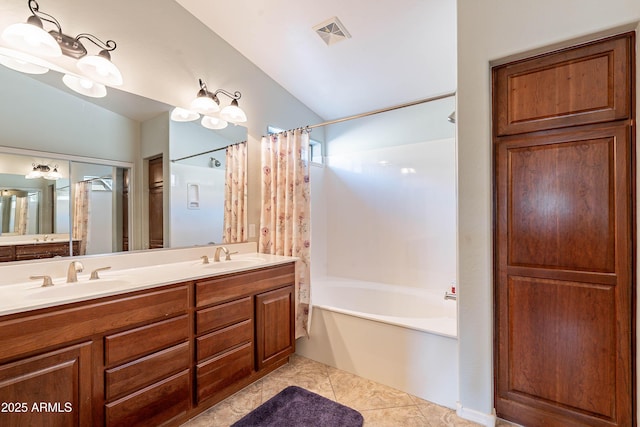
[23,220]
[81,200]
[235,194]
[285,220]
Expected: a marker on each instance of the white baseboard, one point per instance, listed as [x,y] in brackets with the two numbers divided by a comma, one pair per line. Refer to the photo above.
[488,420]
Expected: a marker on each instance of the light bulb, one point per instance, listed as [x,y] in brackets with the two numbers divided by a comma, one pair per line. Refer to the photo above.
[84,86]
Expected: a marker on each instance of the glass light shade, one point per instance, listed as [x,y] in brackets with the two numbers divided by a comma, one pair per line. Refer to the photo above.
[35,173]
[204,104]
[213,123]
[22,65]
[183,115]
[99,68]
[84,86]
[232,113]
[31,38]
[53,175]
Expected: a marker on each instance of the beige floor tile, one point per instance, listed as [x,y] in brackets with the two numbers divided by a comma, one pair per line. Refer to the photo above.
[406,416]
[381,406]
[231,409]
[362,394]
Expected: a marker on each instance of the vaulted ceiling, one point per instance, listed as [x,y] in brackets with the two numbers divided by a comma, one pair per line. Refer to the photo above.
[399,51]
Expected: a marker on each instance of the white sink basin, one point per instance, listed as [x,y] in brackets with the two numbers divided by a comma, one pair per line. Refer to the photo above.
[79,288]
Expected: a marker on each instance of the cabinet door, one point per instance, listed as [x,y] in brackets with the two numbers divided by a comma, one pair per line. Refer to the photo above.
[274,326]
[51,389]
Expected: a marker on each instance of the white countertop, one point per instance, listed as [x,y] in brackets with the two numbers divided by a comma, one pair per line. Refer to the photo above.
[30,295]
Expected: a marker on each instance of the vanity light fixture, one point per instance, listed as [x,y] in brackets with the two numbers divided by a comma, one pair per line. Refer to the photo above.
[207,103]
[32,47]
[44,171]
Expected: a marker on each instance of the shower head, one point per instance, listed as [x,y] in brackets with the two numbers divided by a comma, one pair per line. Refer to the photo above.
[214,163]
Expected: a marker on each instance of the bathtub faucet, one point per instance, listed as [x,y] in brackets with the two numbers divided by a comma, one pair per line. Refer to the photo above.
[451,292]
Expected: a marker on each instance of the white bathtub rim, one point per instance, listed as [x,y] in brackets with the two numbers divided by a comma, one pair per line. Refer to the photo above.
[403,322]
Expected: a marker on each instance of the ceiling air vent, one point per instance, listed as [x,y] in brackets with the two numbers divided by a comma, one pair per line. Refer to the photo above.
[332,31]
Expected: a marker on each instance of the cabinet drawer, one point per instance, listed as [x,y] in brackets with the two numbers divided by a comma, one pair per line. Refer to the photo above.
[140,341]
[218,373]
[152,406]
[147,370]
[223,315]
[224,339]
[48,327]
[42,250]
[7,253]
[229,287]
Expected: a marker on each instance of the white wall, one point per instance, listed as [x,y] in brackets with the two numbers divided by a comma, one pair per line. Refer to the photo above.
[36,116]
[487,31]
[372,221]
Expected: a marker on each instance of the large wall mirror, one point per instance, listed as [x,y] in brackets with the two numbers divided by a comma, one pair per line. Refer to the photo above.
[101,140]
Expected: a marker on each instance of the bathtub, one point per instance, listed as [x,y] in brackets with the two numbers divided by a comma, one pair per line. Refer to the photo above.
[402,337]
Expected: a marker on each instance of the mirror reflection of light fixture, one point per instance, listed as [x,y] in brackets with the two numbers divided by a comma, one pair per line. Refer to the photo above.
[213,122]
[31,44]
[44,171]
[183,115]
[84,86]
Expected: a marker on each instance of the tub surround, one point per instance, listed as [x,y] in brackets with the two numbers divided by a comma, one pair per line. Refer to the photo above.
[182,337]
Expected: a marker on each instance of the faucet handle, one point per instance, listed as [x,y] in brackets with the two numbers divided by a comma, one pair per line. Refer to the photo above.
[205,259]
[46,280]
[94,273]
[228,255]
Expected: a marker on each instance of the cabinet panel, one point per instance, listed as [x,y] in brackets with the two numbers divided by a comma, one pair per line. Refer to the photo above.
[587,84]
[145,339]
[224,339]
[274,330]
[151,406]
[223,315]
[230,287]
[147,370]
[216,374]
[51,389]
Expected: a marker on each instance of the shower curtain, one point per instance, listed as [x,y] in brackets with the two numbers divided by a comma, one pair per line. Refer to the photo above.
[235,194]
[23,218]
[81,199]
[285,218]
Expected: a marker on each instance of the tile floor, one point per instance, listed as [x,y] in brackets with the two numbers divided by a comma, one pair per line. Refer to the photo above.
[381,406]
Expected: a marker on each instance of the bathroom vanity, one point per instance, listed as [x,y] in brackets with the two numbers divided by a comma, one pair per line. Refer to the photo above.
[152,356]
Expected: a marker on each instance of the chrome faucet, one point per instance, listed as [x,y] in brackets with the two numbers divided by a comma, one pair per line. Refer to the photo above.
[216,255]
[72,272]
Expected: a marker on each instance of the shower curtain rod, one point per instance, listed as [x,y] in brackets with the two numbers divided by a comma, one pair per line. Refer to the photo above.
[206,152]
[383,110]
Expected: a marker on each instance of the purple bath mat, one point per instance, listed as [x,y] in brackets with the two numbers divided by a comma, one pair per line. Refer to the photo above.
[297,407]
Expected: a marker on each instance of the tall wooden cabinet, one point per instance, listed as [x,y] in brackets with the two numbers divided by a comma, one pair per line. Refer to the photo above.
[563,268]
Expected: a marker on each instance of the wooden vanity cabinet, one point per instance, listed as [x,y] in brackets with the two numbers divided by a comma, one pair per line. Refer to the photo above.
[244,329]
[152,357]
